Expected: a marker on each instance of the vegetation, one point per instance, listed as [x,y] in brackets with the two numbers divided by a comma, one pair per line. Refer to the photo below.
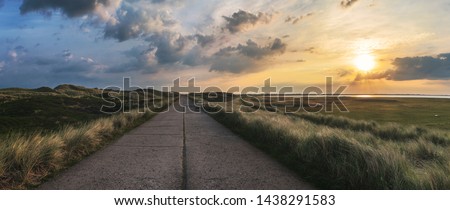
[426,112]
[27,159]
[46,109]
[35,145]
[336,152]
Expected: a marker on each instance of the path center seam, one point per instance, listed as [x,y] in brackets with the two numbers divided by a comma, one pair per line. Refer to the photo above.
[184,178]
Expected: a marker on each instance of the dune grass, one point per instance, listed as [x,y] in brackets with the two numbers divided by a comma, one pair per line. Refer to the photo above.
[28,159]
[45,130]
[340,153]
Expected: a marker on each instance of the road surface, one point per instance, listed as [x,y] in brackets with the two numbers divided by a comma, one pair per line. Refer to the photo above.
[178,151]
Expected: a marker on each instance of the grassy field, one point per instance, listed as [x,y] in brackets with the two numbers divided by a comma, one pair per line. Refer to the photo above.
[426,112]
[46,130]
[337,151]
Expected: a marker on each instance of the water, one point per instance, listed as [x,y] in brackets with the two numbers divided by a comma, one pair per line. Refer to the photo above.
[385,96]
[398,96]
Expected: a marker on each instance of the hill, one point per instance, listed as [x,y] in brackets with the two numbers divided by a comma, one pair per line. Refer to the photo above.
[44,108]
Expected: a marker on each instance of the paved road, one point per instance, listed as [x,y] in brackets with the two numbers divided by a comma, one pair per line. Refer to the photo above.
[178,151]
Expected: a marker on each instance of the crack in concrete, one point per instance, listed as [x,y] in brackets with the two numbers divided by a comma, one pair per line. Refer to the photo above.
[184,167]
[144,146]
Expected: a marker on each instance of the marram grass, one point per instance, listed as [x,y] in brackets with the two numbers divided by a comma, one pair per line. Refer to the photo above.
[340,153]
[27,159]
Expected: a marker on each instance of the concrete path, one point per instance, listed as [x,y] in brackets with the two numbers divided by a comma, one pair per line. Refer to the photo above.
[178,151]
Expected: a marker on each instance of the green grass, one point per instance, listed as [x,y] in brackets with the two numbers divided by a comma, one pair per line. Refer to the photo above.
[46,109]
[425,112]
[336,152]
[48,112]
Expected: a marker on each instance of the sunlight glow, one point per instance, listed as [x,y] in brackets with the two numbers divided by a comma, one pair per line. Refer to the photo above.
[364,62]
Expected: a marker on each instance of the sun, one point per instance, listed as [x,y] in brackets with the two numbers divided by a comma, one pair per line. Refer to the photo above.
[364,62]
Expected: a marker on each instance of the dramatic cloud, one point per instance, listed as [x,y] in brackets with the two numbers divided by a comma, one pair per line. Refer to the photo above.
[415,68]
[170,48]
[121,20]
[252,50]
[347,3]
[173,50]
[164,49]
[245,57]
[133,21]
[69,7]
[241,20]
[204,40]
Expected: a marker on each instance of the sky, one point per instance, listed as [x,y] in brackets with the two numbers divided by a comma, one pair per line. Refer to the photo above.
[371,46]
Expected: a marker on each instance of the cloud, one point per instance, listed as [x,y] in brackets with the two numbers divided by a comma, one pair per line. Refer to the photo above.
[64,63]
[2,65]
[10,41]
[120,19]
[245,57]
[294,20]
[133,21]
[141,58]
[27,70]
[233,63]
[67,55]
[373,75]
[347,3]
[165,43]
[165,49]
[16,53]
[173,51]
[310,50]
[204,40]
[68,7]
[427,67]
[174,48]
[415,68]
[87,59]
[253,50]
[345,72]
[170,48]
[241,20]
[193,57]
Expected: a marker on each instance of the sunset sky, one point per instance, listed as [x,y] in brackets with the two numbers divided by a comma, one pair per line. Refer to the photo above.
[373,46]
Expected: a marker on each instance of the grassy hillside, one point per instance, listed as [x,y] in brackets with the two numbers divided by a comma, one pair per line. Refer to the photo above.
[336,152]
[46,130]
[48,109]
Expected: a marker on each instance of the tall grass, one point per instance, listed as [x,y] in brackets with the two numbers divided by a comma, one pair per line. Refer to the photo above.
[27,159]
[340,153]
[389,131]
